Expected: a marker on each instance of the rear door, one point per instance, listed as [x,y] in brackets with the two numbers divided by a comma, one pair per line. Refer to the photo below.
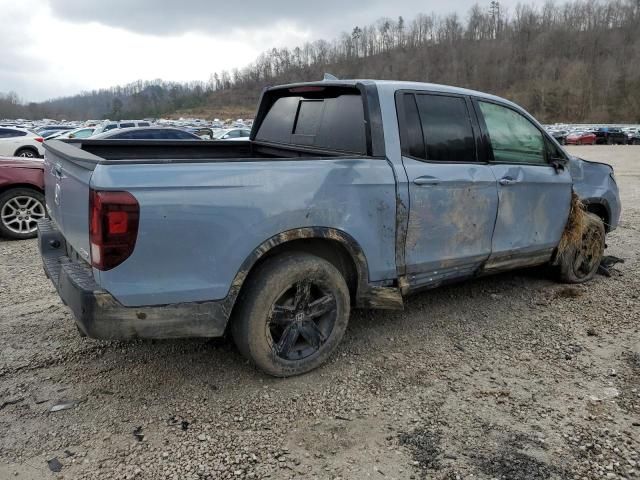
[453,198]
[534,196]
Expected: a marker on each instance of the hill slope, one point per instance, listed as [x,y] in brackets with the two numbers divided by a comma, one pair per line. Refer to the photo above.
[579,61]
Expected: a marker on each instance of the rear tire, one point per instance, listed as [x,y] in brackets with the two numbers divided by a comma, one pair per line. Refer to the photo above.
[20,209]
[292,314]
[579,263]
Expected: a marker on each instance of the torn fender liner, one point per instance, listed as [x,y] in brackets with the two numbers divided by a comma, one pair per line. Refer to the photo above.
[572,235]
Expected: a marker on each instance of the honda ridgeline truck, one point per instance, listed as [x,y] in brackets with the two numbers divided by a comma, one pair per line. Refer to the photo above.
[349,194]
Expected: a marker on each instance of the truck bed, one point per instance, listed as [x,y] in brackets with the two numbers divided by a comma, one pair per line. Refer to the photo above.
[94,152]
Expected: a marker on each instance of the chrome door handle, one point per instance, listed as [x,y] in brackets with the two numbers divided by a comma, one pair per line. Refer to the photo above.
[426,180]
[507,181]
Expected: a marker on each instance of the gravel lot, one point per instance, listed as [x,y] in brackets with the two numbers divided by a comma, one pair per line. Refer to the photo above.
[512,376]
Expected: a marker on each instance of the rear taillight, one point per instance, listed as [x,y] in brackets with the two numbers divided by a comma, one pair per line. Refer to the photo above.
[39,139]
[113,227]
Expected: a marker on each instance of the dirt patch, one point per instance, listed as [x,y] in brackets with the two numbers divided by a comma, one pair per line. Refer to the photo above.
[424,446]
[510,465]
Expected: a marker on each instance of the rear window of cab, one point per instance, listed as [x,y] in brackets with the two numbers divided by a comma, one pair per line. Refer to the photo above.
[323,118]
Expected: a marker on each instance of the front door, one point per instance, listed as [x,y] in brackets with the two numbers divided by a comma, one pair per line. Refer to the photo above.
[452,196]
[534,197]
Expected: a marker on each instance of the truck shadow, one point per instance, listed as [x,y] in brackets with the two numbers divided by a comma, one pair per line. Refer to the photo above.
[448,312]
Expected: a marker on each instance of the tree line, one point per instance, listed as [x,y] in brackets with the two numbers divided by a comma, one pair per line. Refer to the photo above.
[577,62]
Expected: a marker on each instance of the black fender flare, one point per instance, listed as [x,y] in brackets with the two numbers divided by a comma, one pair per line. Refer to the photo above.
[367,295]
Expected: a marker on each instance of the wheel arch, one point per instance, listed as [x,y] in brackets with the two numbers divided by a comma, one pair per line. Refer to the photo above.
[12,186]
[335,246]
[599,207]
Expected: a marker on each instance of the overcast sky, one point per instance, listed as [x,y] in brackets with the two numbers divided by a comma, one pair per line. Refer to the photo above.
[52,48]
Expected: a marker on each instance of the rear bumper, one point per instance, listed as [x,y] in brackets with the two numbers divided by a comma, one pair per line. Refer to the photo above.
[99,315]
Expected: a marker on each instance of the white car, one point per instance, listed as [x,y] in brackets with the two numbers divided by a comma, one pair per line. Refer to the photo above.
[84,132]
[19,142]
[232,134]
[109,125]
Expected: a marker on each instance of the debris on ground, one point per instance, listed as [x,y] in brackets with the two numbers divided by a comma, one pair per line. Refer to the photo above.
[137,432]
[11,401]
[607,263]
[54,465]
[64,405]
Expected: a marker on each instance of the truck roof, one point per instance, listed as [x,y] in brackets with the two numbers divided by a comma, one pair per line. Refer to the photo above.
[397,85]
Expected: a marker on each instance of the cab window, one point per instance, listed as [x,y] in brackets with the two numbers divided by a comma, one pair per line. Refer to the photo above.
[514,139]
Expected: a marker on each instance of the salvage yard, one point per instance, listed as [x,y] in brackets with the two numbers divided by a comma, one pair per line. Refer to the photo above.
[512,376]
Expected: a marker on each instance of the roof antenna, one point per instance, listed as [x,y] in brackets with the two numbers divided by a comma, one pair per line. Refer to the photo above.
[329,77]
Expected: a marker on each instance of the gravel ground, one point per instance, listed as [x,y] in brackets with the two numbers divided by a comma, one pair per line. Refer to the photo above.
[512,376]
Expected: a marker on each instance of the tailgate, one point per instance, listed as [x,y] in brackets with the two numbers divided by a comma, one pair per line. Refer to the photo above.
[67,176]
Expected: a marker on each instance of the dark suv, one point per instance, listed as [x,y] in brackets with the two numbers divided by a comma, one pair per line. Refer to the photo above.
[610,136]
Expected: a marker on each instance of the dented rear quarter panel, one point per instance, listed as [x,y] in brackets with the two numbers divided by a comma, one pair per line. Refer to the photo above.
[200,221]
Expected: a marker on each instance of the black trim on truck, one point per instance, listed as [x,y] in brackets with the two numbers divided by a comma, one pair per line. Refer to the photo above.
[99,315]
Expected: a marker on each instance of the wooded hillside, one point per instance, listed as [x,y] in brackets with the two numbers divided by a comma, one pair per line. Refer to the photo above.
[577,62]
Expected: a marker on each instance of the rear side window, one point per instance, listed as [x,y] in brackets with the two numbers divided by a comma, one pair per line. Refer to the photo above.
[446,126]
[411,137]
[514,139]
[327,120]
[144,124]
[9,133]
[436,128]
[127,125]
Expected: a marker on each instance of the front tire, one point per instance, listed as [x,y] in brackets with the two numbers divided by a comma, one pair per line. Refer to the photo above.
[20,209]
[579,263]
[292,314]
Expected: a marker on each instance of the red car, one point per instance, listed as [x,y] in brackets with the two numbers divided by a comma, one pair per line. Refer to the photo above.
[581,138]
[21,196]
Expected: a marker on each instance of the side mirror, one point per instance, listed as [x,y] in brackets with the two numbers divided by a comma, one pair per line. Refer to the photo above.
[558,164]
[71,135]
[226,136]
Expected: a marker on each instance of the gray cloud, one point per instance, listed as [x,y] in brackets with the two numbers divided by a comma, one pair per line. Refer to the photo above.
[160,17]
[325,17]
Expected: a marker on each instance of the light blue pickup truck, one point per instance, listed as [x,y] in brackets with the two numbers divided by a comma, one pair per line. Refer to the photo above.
[348,194]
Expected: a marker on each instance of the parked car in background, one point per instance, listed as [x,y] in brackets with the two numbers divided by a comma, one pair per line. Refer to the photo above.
[147,133]
[611,136]
[580,138]
[204,133]
[109,125]
[232,134]
[84,132]
[633,136]
[559,135]
[19,142]
[357,193]
[21,197]
[47,130]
